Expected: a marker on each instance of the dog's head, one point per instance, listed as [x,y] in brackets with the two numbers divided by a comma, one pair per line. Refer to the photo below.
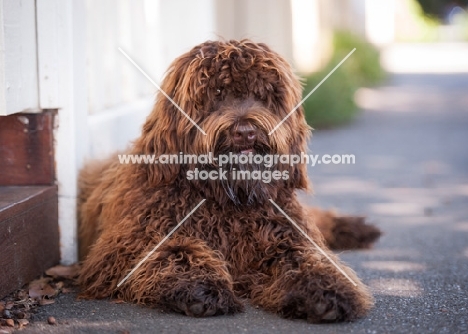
[237,92]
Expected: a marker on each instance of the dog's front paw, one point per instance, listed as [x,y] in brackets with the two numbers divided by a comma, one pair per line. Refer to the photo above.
[297,306]
[203,299]
[319,307]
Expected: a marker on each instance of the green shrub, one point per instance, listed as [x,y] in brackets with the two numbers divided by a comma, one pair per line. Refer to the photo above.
[333,103]
[364,63]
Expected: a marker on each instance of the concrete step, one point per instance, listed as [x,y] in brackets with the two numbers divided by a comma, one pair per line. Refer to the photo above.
[29,234]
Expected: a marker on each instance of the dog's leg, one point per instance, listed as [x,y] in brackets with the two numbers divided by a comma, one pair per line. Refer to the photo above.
[183,275]
[303,282]
[89,204]
[343,232]
[186,276]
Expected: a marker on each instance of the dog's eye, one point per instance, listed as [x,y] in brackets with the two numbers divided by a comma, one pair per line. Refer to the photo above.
[218,91]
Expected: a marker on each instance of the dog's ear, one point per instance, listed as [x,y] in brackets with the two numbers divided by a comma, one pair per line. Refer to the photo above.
[168,129]
[283,99]
[301,134]
[299,131]
[281,91]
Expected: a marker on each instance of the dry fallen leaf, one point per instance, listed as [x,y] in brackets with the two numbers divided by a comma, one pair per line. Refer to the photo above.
[68,272]
[118,301]
[23,322]
[43,302]
[20,315]
[41,288]
[22,295]
[16,308]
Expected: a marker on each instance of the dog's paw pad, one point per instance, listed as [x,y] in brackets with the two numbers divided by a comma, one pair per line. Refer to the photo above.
[204,300]
[298,307]
[197,310]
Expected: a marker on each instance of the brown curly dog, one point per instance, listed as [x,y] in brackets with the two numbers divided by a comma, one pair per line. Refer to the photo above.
[237,245]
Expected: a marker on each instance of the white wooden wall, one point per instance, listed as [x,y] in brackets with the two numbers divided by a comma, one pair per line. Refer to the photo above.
[153,33]
[150,31]
[43,66]
[18,66]
[267,21]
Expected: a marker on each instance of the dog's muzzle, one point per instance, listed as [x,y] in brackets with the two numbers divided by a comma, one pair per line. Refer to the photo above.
[244,137]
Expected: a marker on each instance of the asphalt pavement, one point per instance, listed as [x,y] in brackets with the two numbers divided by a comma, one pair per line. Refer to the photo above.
[410,178]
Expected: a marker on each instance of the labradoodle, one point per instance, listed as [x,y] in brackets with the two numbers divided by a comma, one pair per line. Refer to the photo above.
[237,245]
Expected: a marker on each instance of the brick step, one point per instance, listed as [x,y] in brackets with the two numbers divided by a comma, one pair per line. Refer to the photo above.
[29,234]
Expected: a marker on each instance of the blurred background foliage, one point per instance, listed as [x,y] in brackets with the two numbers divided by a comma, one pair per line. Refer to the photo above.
[436,21]
[421,21]
[333,102]
[440,8]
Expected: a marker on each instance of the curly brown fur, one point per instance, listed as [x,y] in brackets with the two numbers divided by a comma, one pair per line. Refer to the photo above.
[236,245]
[344,232]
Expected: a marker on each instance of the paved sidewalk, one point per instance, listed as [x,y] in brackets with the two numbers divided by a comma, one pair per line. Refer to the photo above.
[410,179]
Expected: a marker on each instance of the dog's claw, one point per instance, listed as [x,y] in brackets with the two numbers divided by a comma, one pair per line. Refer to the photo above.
[320,308]
[330,315]
[197,309]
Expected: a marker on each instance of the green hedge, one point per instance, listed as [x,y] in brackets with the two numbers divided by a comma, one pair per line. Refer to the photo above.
[364,63]
[333,102]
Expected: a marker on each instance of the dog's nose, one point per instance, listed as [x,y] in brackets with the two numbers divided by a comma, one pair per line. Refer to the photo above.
[244,134]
